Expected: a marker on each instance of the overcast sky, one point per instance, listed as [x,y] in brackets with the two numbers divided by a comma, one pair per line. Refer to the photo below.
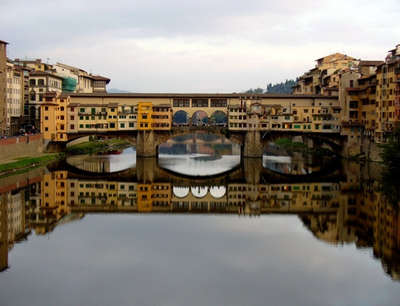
[197,46]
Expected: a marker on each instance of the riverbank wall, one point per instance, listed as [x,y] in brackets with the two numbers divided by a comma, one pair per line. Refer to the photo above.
[21,146]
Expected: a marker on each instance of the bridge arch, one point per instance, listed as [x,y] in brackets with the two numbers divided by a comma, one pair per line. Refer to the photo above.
[219,118]
[199,118]
[218,192]
[180,118]
[199,191]
[180,192]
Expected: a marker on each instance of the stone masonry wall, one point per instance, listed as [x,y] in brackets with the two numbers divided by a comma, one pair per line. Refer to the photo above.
[22,146]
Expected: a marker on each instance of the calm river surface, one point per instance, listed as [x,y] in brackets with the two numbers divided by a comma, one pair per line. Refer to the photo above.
[137,232]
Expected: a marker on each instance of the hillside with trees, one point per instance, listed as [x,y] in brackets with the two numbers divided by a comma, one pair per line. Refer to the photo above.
[278,88]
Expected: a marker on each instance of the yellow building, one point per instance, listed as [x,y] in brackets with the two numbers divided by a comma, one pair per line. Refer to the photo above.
[127,117]
[53,118]
[388,95]
[144,120]
[94,113]
[325,77]
[144,197]
[161,117]
[3,85]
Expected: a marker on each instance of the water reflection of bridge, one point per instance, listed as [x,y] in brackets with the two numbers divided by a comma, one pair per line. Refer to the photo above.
[335,211]
[148,170]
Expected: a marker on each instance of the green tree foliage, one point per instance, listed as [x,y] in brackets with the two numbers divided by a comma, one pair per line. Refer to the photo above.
[255,91]
[283,87]
[278,88]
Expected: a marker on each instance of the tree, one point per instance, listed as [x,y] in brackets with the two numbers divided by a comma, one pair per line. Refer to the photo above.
[278,88]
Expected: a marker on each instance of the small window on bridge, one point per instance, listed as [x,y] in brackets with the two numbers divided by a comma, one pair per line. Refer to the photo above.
[181,103]
[219,102]
[200,102]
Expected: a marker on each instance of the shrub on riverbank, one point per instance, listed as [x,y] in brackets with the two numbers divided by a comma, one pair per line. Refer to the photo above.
[96,146]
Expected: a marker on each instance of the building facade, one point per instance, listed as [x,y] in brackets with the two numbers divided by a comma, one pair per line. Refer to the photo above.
[325,77]
[90,113]
[3,86]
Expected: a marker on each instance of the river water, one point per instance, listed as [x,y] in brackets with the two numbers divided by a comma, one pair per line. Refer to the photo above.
[119,230]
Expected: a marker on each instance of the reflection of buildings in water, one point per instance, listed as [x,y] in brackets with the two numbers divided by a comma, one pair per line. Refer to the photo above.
[12,223]
[336,213]
[297,164]
[3,233]
[96,163]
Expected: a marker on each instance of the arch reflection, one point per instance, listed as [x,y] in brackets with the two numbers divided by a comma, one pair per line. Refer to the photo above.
[337,211]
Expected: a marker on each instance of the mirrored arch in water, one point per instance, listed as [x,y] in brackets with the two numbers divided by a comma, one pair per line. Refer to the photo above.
[199,154]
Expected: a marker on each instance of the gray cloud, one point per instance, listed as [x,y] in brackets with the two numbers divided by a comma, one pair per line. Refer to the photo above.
[197,45]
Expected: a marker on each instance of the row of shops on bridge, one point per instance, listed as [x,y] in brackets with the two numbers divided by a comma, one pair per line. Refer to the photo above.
[62,116]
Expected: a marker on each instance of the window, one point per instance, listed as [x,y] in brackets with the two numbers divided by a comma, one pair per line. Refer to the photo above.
[46,108]
[72,127]
[112,125]
[82,110]
[353,104]
[46,118]
[200,102]
[219,102]
[122,125]
[181,102]
[72,118]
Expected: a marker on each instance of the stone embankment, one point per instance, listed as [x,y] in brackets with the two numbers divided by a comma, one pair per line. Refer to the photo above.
[21,146]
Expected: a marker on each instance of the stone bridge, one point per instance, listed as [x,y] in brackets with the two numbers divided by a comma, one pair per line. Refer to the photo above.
[252,143]
[148,120]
